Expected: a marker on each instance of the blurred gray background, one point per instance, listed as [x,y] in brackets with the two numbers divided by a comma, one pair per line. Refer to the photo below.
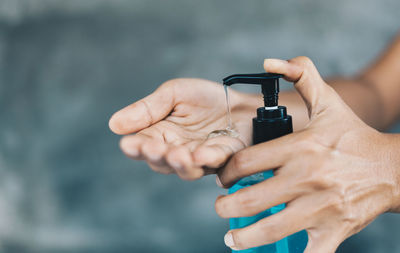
[66,66]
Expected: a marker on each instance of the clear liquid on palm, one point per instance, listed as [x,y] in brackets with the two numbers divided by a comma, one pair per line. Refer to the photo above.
[229,130]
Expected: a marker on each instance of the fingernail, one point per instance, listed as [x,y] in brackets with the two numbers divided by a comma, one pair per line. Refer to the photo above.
[218,181]
[228,238]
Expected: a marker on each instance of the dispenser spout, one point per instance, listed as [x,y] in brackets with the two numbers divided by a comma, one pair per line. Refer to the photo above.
[269,85]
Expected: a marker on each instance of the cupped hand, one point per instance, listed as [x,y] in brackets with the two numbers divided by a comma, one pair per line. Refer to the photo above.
[336,175]
[171,126]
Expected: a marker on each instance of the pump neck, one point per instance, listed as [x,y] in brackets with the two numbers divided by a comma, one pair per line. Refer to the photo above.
[269,85]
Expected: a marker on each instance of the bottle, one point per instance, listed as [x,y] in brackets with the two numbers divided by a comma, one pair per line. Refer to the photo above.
[271,122]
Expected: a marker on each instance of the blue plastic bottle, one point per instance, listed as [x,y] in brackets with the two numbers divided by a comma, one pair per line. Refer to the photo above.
[295,243]
[271,122]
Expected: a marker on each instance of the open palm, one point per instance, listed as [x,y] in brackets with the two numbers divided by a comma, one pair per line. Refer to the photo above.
[172,125]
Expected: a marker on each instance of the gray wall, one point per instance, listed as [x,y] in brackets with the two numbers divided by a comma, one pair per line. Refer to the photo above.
[66,66]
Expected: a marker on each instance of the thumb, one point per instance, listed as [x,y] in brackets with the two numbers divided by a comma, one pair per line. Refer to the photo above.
[307,81]
[144,112]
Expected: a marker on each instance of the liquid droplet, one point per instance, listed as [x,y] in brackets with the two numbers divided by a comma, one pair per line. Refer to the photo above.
[229,130]
[228,108]
[223,132]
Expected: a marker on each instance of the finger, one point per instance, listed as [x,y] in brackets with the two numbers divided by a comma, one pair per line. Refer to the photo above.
[163,169]
[131,145]
[144,112]
[290,220]
[308,82]
[180,159]
[258,158]
[322,241]
[252,200]
[154,152]
[214,152]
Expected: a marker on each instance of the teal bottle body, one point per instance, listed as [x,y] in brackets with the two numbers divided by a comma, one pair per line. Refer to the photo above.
[270,123]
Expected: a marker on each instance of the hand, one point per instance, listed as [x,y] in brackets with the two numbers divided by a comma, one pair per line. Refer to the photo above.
[172,125]
[336,175]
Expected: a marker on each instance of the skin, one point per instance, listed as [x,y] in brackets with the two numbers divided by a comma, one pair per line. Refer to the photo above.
[171,127]
[336,173]
[373,94]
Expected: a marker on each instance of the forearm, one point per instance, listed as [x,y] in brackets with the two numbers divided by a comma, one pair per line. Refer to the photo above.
[374,95]
[384,78]
[358,95]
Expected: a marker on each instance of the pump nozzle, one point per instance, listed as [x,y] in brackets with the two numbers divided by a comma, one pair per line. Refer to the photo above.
[269,85]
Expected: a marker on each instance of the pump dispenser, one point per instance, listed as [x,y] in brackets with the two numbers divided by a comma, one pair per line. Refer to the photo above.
[271,122]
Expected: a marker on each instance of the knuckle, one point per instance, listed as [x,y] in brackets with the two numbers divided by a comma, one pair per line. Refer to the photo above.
[322,183]
[305,61]
[335,204]
[308,144]
[317,179]
[316,176]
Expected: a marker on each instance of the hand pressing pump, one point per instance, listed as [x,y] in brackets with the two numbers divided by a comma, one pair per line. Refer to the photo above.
[271,122]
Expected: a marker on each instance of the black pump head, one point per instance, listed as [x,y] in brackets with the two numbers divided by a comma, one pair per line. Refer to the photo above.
[269,85]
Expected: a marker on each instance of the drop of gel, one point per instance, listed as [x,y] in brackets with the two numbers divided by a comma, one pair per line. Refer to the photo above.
[223,132]
[228,108]
[229,130]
